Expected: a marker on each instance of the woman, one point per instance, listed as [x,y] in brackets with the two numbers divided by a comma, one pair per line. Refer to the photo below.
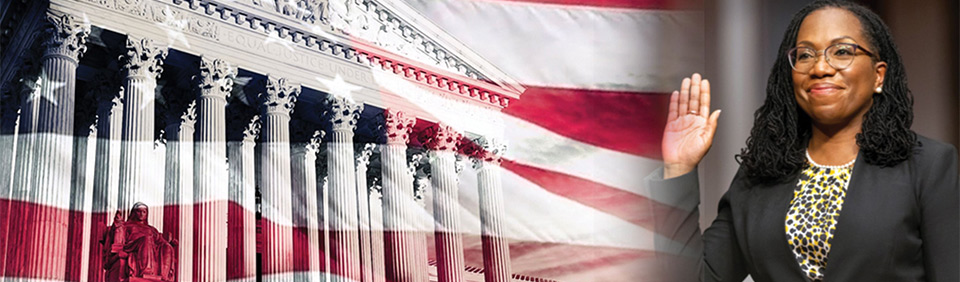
[833,185]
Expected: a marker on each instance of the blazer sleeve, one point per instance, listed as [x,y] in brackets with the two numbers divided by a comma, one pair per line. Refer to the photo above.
[939,202]
[714,255]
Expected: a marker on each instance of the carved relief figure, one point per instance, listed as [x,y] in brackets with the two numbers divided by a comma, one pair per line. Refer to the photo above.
[135,251]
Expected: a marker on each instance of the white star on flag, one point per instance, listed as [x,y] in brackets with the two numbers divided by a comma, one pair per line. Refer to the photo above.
[174,28]
[38,85]
[338,87]
[274,37]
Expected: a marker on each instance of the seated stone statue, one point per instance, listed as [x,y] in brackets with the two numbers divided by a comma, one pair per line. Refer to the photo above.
[135,251]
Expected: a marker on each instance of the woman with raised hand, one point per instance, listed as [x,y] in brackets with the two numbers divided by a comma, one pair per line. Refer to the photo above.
[833,185]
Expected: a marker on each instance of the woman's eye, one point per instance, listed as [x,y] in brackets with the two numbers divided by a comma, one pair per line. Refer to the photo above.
[843,51]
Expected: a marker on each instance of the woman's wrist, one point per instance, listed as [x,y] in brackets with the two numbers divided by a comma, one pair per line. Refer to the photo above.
[674,170]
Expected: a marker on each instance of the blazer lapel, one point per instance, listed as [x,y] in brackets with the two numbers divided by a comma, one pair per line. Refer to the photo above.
[768,245]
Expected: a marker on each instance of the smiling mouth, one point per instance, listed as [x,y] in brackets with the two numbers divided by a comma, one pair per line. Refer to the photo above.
[824,89]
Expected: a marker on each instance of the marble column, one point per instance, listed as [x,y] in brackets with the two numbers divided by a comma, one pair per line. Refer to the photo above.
[442,143]
[210,196]
[47,186]
[20,179]
[242,130]
[496,250]
[181,116]
[106,180]
[377,265]
[399,234]
[363,152]
[344,246]
[323,204]
[306,243]
[276,104]
[9,115]
[419,169]
[141,65]
[81,194]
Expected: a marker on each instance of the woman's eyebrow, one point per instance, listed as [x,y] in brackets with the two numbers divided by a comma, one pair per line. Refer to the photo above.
[835,40]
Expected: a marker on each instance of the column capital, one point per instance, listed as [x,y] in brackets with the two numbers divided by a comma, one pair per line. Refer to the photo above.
[363,152]
[279,97]
[143,58]
[397,126]
[306,134]
[343,114]
[65,36]
[215,78]
[181,108]
[107,90]
[488,150]
[243,122]
[440,137]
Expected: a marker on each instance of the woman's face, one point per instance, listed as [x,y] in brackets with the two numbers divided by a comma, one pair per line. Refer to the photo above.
[830,96]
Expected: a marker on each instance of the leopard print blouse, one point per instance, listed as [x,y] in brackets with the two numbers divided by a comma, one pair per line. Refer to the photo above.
[812,217]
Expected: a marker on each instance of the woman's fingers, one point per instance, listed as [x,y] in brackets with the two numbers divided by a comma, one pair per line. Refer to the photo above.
[694,94]
[684,96]
[672,112]
[704,98]
[712,124]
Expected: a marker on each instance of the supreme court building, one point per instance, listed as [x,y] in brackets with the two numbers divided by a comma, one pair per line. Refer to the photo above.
[273,140]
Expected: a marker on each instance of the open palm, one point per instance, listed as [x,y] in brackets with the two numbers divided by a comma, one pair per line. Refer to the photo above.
[690,127]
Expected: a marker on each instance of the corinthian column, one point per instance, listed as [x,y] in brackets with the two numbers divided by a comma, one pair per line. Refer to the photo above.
[276,104]
[215,82]
[344,245]
[496,251]
[363,152]
[242,130]
[398,204]
[306,245]
[181,116]
[47,187]
[81,195]
[106,180]
[141,66]
[442,143]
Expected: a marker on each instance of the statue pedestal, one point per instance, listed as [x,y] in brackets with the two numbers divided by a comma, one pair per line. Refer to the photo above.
[139,279]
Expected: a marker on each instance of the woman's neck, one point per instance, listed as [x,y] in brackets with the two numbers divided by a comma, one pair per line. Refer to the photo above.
[831,145]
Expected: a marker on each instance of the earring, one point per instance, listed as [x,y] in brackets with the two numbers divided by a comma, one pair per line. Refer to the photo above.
[878,90]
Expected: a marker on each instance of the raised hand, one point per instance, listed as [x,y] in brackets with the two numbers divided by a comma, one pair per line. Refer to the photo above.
[690,127]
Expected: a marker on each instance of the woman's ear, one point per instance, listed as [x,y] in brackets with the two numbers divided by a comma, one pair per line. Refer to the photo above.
[881,71]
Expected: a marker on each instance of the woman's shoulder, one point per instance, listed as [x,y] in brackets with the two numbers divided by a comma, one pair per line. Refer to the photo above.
[929,150]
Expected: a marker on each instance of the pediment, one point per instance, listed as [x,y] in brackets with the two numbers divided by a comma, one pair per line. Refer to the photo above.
[388,24]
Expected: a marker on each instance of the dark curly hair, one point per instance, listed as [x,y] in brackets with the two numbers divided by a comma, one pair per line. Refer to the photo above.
[781,130]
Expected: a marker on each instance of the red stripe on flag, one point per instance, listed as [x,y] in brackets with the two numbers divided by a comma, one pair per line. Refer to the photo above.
[624,4]
[625,205]
[565,261]
[629,122]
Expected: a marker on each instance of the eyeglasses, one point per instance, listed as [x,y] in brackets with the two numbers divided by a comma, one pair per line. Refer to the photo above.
[839,56]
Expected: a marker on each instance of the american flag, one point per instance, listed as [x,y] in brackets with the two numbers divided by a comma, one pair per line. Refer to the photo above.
[587,129]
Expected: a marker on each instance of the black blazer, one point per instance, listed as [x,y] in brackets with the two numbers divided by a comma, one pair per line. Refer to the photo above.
[899,223]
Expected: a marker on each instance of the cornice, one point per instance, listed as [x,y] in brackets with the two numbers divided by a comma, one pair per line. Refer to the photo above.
[208,17]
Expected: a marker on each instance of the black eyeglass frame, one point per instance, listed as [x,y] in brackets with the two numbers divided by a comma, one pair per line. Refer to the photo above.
[827,58]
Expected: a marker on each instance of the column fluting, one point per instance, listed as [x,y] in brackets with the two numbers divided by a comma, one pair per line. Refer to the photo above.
[243,127]
[496,249]
[141,66]
[181,116]
[442,141]
[397,187]
[44,197]
[306,247]
[214,83]
[344,246]
[276,105]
